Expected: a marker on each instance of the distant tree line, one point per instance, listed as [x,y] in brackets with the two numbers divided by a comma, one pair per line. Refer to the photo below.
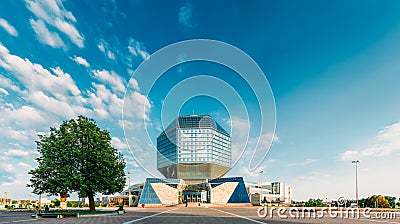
[378,201]
[314,203]
[374,201]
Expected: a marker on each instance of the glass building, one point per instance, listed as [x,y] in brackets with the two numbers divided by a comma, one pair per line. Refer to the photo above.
[194,148]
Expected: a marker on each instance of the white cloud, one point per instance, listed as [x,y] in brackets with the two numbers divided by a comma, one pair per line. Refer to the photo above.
[34,77]
[23,136]
[54,14]
[127,125]
[6,174]
[137,106]
[5,92]
[314,176]
[111,78]
[386,143]
[101,47]
[19,116]
[134,84]
[185,15]
[81,61]
[20,153]
[7,167]
[24,166]
[244,171]
[71,31]
[110,55]
[240,129]
[51,104]
[7,83]
[8,27]
[45,36]
[105,102]
[248,147]
[54,91]
[105,48]
[303,163]
[130,71]
[140,149]
[137,49]
[267,139]
[118,143]
[97,104]
[69,83]
[256,173]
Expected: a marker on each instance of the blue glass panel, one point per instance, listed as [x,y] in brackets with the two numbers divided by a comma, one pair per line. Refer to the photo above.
[149,196]
[239,195]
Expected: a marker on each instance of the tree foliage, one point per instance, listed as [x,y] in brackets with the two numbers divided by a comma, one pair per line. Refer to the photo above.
[56,202]
[78,157]
[378,201]
[314,203]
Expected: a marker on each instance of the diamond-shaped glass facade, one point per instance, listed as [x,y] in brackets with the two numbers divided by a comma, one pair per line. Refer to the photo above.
[194,147]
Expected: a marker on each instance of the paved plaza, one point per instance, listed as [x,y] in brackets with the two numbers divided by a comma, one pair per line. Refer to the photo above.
[190,215]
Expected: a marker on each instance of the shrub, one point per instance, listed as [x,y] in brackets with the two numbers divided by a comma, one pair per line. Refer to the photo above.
[56,202]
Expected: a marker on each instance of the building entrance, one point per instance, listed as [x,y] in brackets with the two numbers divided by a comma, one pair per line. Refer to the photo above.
[196,193]
[191,197]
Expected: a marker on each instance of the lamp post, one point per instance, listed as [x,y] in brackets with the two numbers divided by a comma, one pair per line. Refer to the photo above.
[129,190]
[40,200]
[356,162]
[262,171]
[30,199]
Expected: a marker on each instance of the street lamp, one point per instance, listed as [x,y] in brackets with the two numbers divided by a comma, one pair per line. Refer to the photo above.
[356,162]
[129,190]
[30,201]
[262,171]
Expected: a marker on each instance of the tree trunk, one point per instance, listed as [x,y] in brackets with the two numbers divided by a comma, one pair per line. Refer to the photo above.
[91,201]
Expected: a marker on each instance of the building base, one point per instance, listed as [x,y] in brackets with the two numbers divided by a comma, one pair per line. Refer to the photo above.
[175,191]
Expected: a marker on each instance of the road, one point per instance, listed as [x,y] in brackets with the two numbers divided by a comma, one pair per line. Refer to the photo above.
[190,215]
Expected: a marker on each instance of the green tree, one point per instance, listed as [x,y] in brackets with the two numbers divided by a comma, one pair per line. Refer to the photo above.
[314,202]
[378,201]
[56,202]
[310,203]
[383,202]
[391,200]
[78,157]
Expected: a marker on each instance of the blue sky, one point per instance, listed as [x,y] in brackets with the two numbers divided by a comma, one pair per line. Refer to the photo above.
[333,68]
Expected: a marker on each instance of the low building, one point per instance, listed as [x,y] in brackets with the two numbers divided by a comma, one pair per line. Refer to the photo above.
[269,192]
[113,201]
[133,192]
[5,201]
